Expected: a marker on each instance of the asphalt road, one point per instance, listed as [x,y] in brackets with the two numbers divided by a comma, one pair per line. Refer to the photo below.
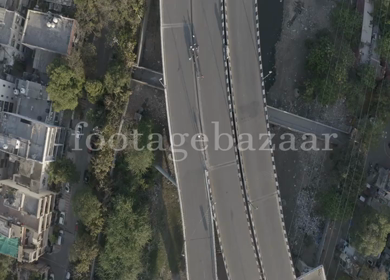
[59,261]
[183,117]
[193,104]
[258,165]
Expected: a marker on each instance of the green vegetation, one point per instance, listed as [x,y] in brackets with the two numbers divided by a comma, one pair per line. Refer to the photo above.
[6,264]
[66,83]
[82,253]
[89,210]
[127,234]
[94,90]
[369,234]
[63,170]
[368,273]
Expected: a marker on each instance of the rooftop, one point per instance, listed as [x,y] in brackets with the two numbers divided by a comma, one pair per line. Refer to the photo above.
[13,214]
[317,273]
[33,101]
[42,59]
[6,20]
[48,32]
[61,2]
[22,136]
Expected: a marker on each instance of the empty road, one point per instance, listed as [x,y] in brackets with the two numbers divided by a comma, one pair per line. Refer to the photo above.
[252,119]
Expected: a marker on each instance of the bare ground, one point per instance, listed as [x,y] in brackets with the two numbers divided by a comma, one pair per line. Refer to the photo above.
[290,62]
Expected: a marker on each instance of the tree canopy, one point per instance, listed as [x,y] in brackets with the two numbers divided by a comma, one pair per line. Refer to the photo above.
[368,273]
[94,90]
[66,82]
[127,233]
[63,170]
[89,210]
[5,266]
[369,235]
[82,253]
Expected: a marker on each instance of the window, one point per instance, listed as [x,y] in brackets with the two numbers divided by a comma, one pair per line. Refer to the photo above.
[24,121]
[22,23]
[2,163]
[18,46]
[13,43]
[23,48]
[6,162]
[6,104]
[1,105]
[17,19]
[11,107]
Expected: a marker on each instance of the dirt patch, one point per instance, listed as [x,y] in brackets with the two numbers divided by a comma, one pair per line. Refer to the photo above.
[151,54]
[300,176]
[301,21]
[151,100]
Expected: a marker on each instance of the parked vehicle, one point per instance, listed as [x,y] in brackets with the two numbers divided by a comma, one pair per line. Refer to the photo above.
[79,130]
[67,277]
[59,240]
[67,187]
[86,176]
[61,220]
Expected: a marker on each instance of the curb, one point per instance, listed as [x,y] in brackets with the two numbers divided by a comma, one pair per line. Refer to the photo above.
[269,136]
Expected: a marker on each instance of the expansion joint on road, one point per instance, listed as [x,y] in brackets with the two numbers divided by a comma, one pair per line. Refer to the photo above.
[269,134]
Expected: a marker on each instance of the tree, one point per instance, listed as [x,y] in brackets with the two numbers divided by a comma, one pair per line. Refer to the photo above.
[368,273]
[367,75]
[347,21]
[127,233]
[140,161]
[328,68]
[63,170]
[370,232]
[336,205]
[66,84]
[82,253]
[94,90]
[89,210]
[6,264]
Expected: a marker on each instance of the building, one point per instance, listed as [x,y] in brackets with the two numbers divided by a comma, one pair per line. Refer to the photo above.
[25,218]
[7,98]
[11,30]
[33,102]
[49,32]
[317,273]
[30,139]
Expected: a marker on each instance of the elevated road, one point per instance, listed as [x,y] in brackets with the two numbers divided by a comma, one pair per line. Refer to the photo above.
[252,119]
[276,116]
[183,118]
[194,104]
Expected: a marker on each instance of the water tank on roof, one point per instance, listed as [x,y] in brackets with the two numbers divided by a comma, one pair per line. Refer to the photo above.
[16,91]
[5,146]
[22,90]
[48,24]
[55,20]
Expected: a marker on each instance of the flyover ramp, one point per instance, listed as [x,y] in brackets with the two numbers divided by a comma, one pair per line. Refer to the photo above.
[259,169]
[225,183]
[182,111]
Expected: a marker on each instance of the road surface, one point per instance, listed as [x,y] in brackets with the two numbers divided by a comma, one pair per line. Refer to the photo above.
[183,118]
[276,116]
[194,103]
[259,170]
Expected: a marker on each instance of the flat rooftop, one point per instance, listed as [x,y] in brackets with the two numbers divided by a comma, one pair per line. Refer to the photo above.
[22,136]
[15,215]
[56,38]
[6,20]
[33,103]
[317,273]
